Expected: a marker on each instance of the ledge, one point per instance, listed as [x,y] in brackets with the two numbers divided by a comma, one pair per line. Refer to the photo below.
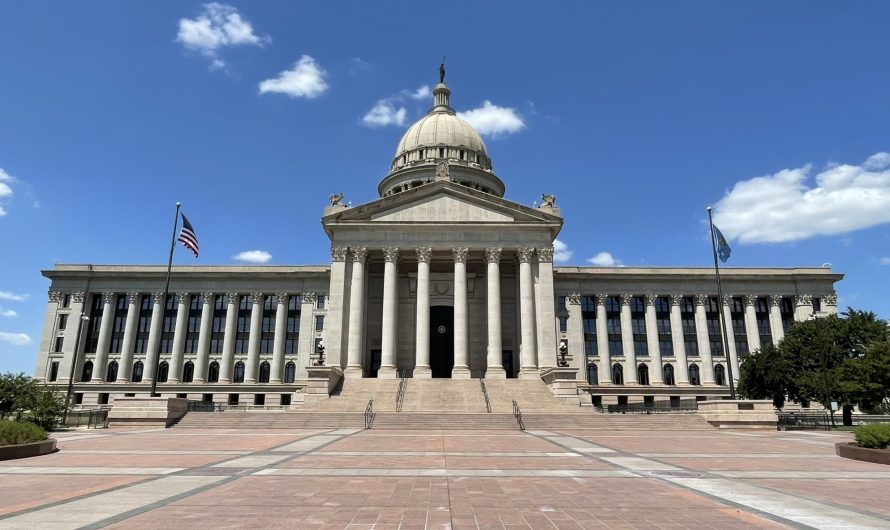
[43,447]
[864,454]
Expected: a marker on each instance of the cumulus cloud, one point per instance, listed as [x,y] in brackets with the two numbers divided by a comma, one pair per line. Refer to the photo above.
[253,256]
[421,93]
[605,259]
[792,205]
[305,79]
[5,188]
[12,297]
[218,26]
[492,120]
[561,252]
[385,113]
[8,313]
[16,339]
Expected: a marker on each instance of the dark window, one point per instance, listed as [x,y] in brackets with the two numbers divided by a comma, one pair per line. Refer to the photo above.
[63,322]
[242,331]
[741,347]
[643,374]
[561,303]
[613,325]
[169,326]
[233,399]
[193,326]
[563,324]
[66,300]
[207,398]
[285,399]
[259,399]
[663,326]
[267,337]
[138,368]
[143,327]
[103,398]
[687,316]
[666,347]
[78,398]
[213,373]
[319,322]
[290,372]
[54,371]
[638,325]
[291,340]
[817,304]
[163,372]
[57,347]
[737,313]
[588,304]
[588,322]
[617,374]
[188,372]
[715,330]
[121,308]
[717,347]
[762,313]
[96,310]
[87,373]
[719,375]
[111,373]
[320,301]
[668,375]
[787,311]
[694,378]
[265,368]
[182,396]
[218,326]
[691,345]
[239,373]
[592,375]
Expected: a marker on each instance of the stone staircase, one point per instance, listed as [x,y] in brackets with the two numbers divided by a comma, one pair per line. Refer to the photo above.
[443,395]
[590,420]
[418,421]
[268,420]
[532,395]
[355,394]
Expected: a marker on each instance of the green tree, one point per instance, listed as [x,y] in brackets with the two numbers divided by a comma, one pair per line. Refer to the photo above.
[766,374]
[16,392]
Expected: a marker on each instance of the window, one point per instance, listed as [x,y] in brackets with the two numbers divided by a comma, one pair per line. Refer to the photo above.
[259,399]
[741,347]
[817,304]
[188,372]
[441,153]
[111,373]
[762,314]
[613,325]
[213,373]
[617,374]
[285,399]
[715,328]
[138,368]
[267,329]
[238,376]
[663,326]
[87,373]
[103,398]
[638,325]
[233,399]
[57,347]
[737,313]
[163,372]
[588,322]
[694,378]
[719,375]
[290,372]
[78,398]
[588,304]
[96,310]
[207,398]
[641,348]
[193,325]
[691,345]
[54,371]
[561,303]
[643,374]
[787,311]
[668,375]
[169,326]
[717,347]
[143,327]
[218,325]
[592,376]
[319,322]
[563,324]
[320,301]
[292,336]
[66,300]
[121,308]
[666,347]
[265,368]
[63,322]
[242,330]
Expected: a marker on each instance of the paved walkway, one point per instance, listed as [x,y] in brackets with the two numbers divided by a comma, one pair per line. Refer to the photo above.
[344,478]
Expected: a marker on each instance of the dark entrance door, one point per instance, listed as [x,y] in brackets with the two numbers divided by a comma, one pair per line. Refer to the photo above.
[441,340]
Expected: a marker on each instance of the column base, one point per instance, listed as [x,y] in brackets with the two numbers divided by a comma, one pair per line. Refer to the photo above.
[529,373]
[355,372]
[495,372]
[460,372]
[121,380]
[387,372]
[422,372]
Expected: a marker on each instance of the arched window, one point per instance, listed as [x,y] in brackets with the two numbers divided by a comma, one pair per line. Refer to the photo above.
[213,373]
[111,373]
[643,374]
[719,375]
[669,375]
[264,372]
[239,373]
[694,379]
[163,372]
[592,374]
[617,374]
[87,372]
[138,368]
[290,372]
[188,372]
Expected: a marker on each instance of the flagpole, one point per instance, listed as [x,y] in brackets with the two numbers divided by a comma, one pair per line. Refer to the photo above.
[154,380]
[720,305]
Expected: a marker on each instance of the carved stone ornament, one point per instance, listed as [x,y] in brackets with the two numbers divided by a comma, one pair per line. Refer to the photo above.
[750,299]
[108,297]
[55,296]
[157,297]
[183,298]
[626,298]
[677,299]
[727,300]
[133,298]
[651,299]
[339,253]
[359,254]
[232,298]
[830,299]
[775,300]
[256,298]
[548,200]
[391,254]
[545,255]
[77,296]
[442,171]
[423,254]
[208,297]
[573,299]
[493,254]
[336,199]
[701,299]
[282,297]
[524,254]
[601,299]
[459,254]
[803,299]
[309,298]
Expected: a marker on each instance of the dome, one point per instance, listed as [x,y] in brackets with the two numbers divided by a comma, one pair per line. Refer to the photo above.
[441,128]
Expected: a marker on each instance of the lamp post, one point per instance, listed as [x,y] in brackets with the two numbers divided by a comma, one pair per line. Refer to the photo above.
[563,350]
[83,318]
[319,349]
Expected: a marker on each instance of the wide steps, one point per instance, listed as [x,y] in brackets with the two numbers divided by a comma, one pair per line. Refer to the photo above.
[616,422]
[443,395]
[408,421]
[270,420]
[531,395]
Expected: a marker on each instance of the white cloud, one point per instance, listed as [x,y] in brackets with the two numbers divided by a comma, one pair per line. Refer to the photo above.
[304,80]
[790,206]
[6,295]
[218,26]
[16,339]
[561,252]
[253,256]
[605,259]
[421,93]
[5,188]
[8,313]
[491,120]
[885,261]
[384,113]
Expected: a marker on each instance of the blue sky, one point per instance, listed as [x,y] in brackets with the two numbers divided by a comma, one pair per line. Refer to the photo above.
[636,115]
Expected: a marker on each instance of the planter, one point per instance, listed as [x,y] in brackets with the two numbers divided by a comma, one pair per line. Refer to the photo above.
[854,452]
[10,452]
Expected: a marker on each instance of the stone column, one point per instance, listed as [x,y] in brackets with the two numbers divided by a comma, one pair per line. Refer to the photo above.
[306,345]
[278,341]
[203,353]
[803,307]
[69,346]
[627,342]
[575,335]
[422,321]
[335,319]
[228,353]
[528,353]
[704,340]
[99,365]
[182,316]
[546,308]
[602,341]
[253,341]
[751,323]
[775,318]
[48,337]
[126,366]
[356,314]
[829,304]
[656,372]
[389,338]
[494,367]
[461,315]
[154,336]
[733,356]
[681,374]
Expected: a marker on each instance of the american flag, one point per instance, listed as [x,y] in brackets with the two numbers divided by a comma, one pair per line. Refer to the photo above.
[187,236]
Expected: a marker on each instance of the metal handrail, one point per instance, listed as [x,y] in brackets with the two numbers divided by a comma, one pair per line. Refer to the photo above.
[485,393]
[517,413]
[369,414]
[400,396]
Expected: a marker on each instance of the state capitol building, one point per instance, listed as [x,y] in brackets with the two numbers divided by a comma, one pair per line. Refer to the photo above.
[441,277]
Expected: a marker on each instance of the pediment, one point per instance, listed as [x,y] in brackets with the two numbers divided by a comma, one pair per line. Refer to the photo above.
[443,209]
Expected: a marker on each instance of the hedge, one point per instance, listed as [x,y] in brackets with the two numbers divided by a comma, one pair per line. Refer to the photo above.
[873,436]
[15,432]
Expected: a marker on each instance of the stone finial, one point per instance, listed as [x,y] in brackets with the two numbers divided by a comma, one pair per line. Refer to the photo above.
[545,254]
[423,254]
[339,253]
[493,254]
[459,254]
[548,201]
[359,254]
[573,299]
[391,254]
[336,199]
[524,254]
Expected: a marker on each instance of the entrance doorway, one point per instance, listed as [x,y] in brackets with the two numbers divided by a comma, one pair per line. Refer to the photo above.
[441,340]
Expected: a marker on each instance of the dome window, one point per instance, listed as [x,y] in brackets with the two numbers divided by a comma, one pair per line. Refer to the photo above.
[463,154]
[441,153]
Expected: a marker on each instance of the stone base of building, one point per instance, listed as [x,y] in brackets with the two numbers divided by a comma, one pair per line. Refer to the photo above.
[146,411]
[739,414]
[322,380]
[563,383]
[460,373]
[422,372]
[496,372]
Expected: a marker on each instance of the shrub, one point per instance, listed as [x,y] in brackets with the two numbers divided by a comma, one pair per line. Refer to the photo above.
[14,432]
[874,436]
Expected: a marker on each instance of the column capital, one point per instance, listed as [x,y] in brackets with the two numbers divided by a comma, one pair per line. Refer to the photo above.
[391,254]
[232,298]
[524,254]
[157,297]
[182,298]
[775,300]
[701,299]
[573,299]
[423,254]
[309,298]
[459,254]
[256,298]
[359,254]
[601,298]
[727,300]
[78,296]
[651,299]
[282,297]
[830,299]
[493,254]
[208,297]
[750,299]
[133,297]
[108,296]
[626,298]
[545,254]
[803,299]
[55,296]
[676,299]
[339,253]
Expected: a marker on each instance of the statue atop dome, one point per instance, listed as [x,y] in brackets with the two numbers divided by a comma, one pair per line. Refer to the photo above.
[442,71]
